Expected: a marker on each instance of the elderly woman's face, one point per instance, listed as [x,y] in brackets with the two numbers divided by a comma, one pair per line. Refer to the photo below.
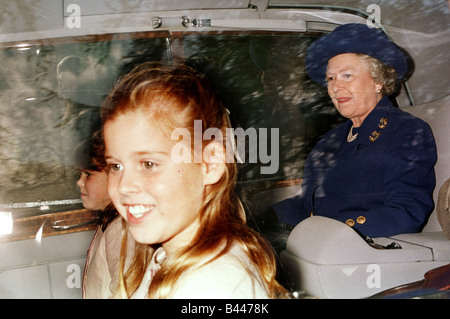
[351,87]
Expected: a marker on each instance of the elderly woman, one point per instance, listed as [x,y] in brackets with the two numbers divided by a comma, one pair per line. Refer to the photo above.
[375,172]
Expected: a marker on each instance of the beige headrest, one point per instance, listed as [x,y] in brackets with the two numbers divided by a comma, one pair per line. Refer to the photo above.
[442,208]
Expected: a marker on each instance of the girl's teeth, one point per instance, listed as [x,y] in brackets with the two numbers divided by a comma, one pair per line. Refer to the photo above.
[138,210]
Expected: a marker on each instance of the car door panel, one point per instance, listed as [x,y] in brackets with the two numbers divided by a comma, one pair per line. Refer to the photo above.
[49,267]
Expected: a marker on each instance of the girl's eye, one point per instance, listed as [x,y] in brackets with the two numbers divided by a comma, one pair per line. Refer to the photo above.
[113,167]
[148,165]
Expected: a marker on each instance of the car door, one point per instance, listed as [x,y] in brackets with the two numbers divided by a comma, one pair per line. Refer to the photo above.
[43,265]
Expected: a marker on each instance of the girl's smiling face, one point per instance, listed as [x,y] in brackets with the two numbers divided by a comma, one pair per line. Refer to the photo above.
[160,199]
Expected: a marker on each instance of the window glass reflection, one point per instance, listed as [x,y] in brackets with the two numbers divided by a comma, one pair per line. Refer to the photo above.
[50,95]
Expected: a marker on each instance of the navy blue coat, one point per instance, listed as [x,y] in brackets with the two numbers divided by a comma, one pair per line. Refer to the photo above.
[381,184]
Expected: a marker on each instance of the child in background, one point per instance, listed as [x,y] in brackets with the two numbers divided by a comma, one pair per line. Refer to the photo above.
[93,179]
[173,183]
[101,270]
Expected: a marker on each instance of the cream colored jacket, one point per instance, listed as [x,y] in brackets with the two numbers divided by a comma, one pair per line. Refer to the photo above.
[101,272]
[231,276]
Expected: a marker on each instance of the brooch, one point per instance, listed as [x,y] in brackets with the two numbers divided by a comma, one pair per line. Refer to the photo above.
[381,126]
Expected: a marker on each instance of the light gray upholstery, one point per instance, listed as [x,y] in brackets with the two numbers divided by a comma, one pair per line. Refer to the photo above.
[327,259]
[437,115]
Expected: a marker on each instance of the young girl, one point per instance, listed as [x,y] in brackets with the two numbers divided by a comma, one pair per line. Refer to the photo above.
[93,179]
[177,194]
[101,270]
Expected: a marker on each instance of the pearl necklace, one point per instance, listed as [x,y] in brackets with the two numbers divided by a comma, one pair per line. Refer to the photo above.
[351,137]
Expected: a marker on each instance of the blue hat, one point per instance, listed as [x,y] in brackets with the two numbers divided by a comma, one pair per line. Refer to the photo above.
[353,38]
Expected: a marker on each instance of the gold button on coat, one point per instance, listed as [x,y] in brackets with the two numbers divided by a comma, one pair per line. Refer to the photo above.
[361,220]
[350,222]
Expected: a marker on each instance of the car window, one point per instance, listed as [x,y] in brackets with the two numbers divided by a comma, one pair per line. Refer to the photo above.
[50,95]
[263,83]
[51,92]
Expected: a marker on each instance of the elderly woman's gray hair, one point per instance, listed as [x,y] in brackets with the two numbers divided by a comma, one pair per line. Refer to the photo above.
[381,73]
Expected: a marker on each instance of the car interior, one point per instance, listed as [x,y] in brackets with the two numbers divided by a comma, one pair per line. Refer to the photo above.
[60,59]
